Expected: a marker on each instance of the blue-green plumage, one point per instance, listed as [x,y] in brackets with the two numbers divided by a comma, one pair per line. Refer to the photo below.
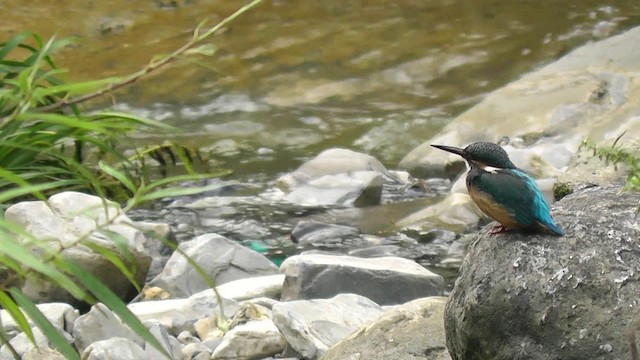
[503,191]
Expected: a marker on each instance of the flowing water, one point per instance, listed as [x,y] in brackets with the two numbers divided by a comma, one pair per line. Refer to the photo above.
[292,78]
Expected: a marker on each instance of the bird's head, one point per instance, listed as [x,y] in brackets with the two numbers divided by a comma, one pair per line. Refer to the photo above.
[482,155]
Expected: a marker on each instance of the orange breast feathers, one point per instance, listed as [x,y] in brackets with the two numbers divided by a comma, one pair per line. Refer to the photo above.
[486,203]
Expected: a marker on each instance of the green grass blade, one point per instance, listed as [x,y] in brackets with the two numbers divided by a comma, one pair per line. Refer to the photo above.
[12,308]
[109,299]
[17,252]
[114,259]
[176,191]
[52,334]
[124,179]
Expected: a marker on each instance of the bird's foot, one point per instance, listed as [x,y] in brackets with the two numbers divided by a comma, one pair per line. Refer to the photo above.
[498,229]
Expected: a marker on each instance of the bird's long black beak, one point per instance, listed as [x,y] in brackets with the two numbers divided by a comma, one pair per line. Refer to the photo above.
[452,149]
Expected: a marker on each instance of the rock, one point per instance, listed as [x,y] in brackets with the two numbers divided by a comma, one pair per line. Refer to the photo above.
[585,94]
[250,311]
[457,211]
[43,353]
[62,223]
[414,330]
[338,177]
[115,348]
[254,287]
[318,234]
[312,326]
[101,324]
[253,340]
[181,314]
[332,162]
[538,297]
[360,188]
[222,259]
[59,314]
[23,345]
[190,351]
[386,280]
[169,343]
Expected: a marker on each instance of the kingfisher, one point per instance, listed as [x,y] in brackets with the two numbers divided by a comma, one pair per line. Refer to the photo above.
[504,192]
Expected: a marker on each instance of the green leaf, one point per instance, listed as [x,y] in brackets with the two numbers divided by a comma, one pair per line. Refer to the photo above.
[108,298]
[124,180]
[55,338]
[8,46]
[10,306]
[205,49]
[114,259]
[17,252]
[176,191]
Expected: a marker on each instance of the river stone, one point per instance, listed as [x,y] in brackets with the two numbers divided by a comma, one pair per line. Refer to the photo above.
[331,162]
[269,286]
[68,217]
[586,94]
[386,280]
[540,297]
[22,344]
[312,326]
[169,343]
[60,315]
[338,177]
[42,353]
[252,340]
[115,348]
[99,324]
[457,211]
[222,259]
[359,188]
[181,314]
[414,330]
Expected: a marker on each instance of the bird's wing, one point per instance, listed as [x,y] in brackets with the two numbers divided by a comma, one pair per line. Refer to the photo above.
[518,192]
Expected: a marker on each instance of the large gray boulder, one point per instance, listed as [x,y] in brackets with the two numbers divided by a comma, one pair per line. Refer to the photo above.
[64,224]
[385,280]
[541,297]
[223,260]
[414,330]
[589,93]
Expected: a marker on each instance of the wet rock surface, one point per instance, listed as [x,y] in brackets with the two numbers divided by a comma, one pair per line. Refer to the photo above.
[540,297]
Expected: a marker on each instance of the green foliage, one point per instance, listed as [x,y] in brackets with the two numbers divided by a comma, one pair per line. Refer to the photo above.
[618,155]
[47,144]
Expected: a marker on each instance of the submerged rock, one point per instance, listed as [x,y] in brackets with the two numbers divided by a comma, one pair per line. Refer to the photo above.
[540,297]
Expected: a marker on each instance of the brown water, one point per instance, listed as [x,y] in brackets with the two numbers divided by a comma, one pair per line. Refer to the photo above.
[292,78]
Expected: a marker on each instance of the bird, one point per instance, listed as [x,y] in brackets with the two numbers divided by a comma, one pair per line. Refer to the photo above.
[504,192]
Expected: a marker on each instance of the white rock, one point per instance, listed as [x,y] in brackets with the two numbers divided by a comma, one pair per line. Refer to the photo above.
[253,340]
[254,287]
[115,348]
[99,324]
[65,220]
[312,326]
[59,314]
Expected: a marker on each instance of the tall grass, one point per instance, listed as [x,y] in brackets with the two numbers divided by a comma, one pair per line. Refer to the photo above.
[49,144]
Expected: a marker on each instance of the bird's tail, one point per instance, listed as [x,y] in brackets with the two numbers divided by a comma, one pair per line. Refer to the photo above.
[550,227]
